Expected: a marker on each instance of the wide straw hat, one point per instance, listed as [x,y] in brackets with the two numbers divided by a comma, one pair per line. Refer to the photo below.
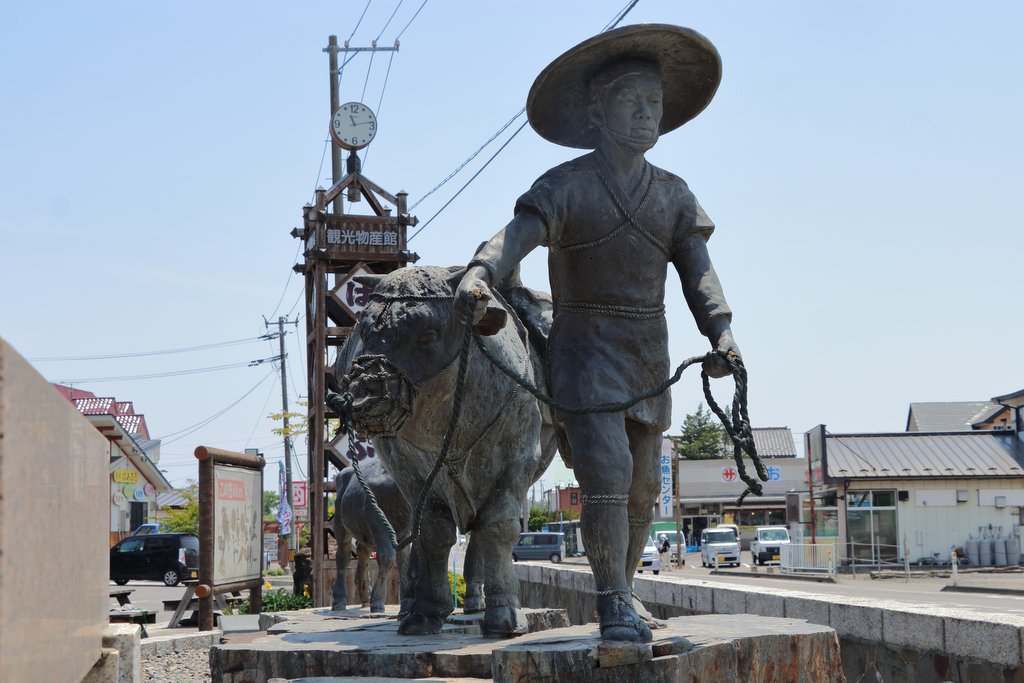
[560,97]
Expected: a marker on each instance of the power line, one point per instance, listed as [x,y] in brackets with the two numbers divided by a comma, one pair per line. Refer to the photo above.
[182,433]
[411,20]
[612,24]
[155,375]
[493,156]
[388,22]
[356,28]
[139,354]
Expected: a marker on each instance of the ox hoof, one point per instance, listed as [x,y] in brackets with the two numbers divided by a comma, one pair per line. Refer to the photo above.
[376,608]
[420,625]
[504,622]
[473,605]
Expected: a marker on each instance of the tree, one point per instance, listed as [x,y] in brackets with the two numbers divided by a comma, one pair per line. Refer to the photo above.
[703,438]
[186,519]
[270,502]
[538,518]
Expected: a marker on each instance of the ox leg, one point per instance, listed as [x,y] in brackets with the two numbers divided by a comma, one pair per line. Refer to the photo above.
[362,571]
[474,575]
[406,561]
[497,529]
[385,561]
[339,592]
[432,595]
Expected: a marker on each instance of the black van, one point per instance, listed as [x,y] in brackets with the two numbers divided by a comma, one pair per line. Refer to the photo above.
[539,545]
[171,558]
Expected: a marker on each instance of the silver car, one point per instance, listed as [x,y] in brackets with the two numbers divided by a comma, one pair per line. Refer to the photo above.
[650,559]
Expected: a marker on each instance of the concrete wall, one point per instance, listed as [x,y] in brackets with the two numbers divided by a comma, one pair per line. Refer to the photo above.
[879,640]
[53,530]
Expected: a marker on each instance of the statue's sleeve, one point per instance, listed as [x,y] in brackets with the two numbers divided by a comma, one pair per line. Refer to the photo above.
[546,200]
[701,287]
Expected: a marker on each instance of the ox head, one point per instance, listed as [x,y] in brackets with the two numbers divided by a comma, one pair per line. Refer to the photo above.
[407,334]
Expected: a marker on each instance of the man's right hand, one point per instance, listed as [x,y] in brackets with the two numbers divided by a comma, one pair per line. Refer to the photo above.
[473,292]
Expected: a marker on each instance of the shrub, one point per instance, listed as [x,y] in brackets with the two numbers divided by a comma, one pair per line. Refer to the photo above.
[280,600]
[460,588]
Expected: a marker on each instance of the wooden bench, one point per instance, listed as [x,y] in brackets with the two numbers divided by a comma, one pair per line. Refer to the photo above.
[193,604]
[123,595]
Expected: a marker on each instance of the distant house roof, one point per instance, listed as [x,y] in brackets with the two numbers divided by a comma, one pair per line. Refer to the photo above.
[171,499]
[1014,399]
[89,403]
[774,442]
[950,416]
[924,456]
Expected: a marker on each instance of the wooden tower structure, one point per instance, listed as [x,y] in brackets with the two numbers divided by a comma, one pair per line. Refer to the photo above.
[339,246]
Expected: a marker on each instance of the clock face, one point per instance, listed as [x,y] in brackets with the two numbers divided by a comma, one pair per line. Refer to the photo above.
[353,126]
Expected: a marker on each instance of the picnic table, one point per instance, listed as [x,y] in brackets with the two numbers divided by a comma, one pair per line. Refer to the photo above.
[123,595]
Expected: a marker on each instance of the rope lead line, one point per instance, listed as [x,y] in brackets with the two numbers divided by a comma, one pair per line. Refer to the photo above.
[738,428]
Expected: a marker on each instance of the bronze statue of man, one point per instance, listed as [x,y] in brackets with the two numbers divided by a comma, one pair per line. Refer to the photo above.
[612,223]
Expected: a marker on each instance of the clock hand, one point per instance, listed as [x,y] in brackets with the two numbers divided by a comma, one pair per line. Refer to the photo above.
[353,119]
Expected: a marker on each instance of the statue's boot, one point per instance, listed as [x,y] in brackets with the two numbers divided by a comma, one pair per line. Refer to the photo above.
[426,618]
[605,529]
[619,619]
[639,533]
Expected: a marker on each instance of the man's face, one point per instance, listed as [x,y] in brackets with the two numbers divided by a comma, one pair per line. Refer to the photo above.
[632,105]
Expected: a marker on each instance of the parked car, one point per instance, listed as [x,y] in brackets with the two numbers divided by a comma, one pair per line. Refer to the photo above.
[719,546]
[539,545]
[148,528]
[766,543]
[171,558]
[650,559]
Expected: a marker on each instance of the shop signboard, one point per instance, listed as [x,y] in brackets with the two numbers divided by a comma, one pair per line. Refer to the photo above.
[238,527]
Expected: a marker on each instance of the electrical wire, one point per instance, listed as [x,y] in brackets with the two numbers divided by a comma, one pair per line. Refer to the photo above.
[356,28]
[620,16]
[139,354]
[471,157]
[612,24]
[411,20]
[155,375]
[388,22]
[182,433]
[455,196]
[261,416]
[288,281]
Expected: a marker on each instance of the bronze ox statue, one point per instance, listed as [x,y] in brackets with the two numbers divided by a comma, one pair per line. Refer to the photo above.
[354,519]
[399,367]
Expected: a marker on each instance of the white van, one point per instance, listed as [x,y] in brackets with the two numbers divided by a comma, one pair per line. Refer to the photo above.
[766,543]
[719,546]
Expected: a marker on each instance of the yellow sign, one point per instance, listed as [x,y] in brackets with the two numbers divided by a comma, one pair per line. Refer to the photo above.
[126,476]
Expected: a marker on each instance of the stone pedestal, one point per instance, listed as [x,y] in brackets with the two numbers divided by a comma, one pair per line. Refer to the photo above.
[317,645]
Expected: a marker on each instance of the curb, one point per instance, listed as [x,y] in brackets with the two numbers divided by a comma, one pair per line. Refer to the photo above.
[790,577]
[167,644]
[981,589]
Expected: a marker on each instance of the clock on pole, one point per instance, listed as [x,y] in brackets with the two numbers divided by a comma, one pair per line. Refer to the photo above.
[353,126]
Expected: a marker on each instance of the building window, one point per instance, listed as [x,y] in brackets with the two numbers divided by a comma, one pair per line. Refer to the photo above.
[574,498]
[871,526]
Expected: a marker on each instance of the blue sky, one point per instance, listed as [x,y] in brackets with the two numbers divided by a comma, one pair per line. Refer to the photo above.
[862,162]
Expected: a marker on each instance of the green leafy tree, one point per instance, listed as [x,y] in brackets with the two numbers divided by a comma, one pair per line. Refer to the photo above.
[703,438]
[270,502]
[538,518]
[186,519]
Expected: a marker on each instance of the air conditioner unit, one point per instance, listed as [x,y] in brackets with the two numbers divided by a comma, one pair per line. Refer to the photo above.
[961,495]
[1000,501]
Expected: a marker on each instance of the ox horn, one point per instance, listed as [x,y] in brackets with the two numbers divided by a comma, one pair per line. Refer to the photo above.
[370,281]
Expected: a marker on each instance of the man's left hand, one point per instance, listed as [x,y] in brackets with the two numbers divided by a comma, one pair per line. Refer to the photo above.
[715,366]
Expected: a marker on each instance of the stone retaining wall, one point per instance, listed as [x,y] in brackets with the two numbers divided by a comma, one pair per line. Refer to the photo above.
[880,640]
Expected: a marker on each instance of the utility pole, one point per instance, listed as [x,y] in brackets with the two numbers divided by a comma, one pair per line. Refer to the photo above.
[281,322]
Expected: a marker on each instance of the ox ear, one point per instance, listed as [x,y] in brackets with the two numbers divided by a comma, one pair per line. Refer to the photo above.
[370,281]
[493,320]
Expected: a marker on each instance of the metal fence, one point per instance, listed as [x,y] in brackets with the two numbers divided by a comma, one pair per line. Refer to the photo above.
[808,558]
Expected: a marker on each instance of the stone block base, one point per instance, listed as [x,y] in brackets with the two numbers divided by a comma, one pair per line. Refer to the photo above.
[697,648]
